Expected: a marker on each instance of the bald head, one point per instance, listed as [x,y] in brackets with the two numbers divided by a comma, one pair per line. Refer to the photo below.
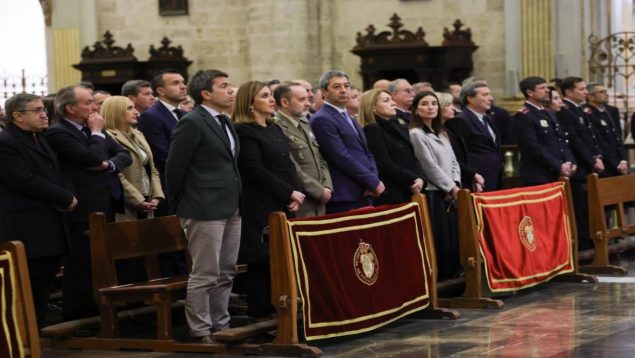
[381,84]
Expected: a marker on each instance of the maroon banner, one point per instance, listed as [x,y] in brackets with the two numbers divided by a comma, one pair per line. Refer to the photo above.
[360,270]
[10,340]
[523,235]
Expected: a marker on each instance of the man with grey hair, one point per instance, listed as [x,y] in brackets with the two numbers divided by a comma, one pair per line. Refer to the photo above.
[140,93]
[475,128]
[402,94]
[343,145]
[501,118]
[90,159]
[33,191]
[204,188]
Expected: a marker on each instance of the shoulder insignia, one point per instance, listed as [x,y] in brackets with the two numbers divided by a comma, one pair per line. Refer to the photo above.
[588,110]
[523,110]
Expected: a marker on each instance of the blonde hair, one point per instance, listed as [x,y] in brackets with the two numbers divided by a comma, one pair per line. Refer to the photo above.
[244,101]
[113,110]
[367,106]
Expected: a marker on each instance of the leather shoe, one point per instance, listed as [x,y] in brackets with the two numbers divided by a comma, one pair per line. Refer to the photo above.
[205,339]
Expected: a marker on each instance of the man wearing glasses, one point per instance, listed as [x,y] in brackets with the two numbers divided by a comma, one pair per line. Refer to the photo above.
[33,195]
[402,93]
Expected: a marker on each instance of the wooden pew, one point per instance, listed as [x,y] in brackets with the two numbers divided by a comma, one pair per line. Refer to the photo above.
[17,302]
[472,261]
[144,239]
[613,191]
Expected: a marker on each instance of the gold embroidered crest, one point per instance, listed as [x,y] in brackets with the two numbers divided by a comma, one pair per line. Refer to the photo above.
[366,264]
[526,233]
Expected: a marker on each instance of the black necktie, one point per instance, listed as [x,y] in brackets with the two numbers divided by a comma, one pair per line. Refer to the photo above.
[179,113]
[223,123]
[87,131]
[36,140]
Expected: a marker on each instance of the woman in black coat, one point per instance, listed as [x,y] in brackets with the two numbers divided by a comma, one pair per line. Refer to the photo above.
[269,183]
[389,142]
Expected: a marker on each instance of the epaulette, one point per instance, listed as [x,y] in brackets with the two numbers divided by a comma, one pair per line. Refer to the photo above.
[523,110]
[588,110]
[566,105]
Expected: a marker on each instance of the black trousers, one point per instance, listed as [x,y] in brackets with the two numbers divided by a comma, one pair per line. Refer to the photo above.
[581,206]
[42,272]
[77,283]
[259,289]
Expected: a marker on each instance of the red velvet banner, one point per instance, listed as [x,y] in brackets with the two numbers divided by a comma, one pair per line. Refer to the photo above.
[10,340]
[524,235]
[360,270]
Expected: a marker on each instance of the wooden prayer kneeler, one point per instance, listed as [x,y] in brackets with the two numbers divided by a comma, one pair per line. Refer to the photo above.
[523,234]
[612,191]
[351,253]
[19,331]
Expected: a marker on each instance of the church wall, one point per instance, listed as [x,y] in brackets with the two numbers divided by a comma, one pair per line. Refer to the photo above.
[288,39]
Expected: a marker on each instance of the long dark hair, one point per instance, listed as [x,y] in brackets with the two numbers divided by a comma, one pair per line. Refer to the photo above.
[416,121]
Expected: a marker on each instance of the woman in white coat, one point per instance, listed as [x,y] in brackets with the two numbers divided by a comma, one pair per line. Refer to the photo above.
[443,177]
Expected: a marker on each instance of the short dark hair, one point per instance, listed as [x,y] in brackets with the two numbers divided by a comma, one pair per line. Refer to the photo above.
[132,87]
[529,84]
[326,78]
[203,80]
[569,83]
[157,80]
[87,84]
[283,91]
[18,103]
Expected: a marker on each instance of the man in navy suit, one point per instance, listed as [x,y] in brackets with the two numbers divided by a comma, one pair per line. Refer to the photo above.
[481,136]
[343,145]
[158,121]
[90,159]
[33,196]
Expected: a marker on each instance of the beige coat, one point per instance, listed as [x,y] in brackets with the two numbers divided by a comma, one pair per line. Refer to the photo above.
[130,176]
[311,167]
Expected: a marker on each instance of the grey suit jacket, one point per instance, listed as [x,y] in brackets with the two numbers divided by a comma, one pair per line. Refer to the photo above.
[310,165]
[201,172]
[437,159]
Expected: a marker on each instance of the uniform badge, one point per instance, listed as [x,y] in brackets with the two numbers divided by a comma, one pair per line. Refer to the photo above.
[544,123]
[366,264]
[603,122]
[581,120]
[300,155]
[526,233]
[292,137]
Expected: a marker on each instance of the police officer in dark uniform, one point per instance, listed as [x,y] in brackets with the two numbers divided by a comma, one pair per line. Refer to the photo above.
[610,140]
[585,146]
[544,152]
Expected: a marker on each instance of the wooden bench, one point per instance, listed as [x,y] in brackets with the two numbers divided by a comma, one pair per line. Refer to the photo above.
[145,239]
[602,193]
[17,303]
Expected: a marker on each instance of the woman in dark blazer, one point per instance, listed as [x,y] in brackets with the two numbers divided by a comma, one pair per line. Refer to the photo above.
[270,183]
[389,142]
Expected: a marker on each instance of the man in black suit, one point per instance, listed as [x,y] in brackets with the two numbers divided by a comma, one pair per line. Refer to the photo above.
[204,186]
[91,160]
[544,153]
[33,196]
[475,127]
[402,94]
[609,138]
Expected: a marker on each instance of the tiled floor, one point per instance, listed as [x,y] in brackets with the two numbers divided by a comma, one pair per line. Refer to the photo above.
[553,320]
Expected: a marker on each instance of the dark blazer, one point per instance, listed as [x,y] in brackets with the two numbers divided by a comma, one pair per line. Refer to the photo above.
[614,112]
[581,136]
[482,151]
[32,192]
[542,145]
[269,177]
[504,123]
[76,153]
[460,152]
[203,180]
[403,117]
[398,167]
[157,123]
[609,139]
[353,169]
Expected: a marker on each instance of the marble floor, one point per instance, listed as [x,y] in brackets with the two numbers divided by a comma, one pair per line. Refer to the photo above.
[552,320]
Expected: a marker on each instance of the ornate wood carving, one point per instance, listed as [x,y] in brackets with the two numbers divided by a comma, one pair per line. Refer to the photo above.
[457,37]
[105,50]
[396,37]
[166,53]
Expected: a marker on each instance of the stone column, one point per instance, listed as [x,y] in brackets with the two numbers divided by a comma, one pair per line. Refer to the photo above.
[537,39]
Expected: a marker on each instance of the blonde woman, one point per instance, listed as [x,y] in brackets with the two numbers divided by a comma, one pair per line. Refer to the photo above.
[388,140]
[140,180]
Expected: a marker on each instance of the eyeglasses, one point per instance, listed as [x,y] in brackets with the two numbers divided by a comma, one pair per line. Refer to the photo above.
[37,110]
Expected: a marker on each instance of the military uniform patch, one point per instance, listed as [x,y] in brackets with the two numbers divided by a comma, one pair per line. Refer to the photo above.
[544,123]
